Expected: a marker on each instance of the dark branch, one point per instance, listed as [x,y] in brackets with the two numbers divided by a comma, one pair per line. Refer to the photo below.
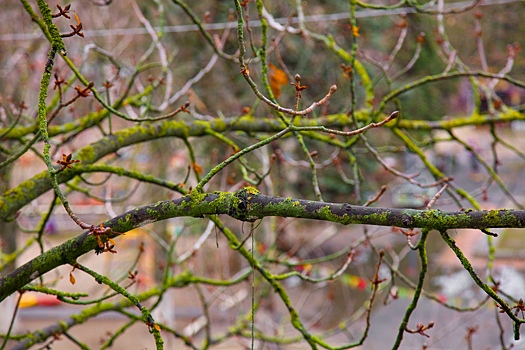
[249,205]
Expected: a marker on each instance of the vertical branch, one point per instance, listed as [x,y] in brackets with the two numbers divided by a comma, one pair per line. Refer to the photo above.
[375,287]
[315,181]
[196,168]
[206,313]
[252,315]
[57,45]
[262,53]
[421,247]
[313,341]
[479,41]
[400,40]
[162,54]
[11,324]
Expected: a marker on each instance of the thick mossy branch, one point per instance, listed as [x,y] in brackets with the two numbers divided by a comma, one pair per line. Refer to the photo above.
[259,124]
[249,205]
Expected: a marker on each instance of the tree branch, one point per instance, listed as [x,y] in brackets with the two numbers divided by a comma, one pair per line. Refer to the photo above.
[248,204]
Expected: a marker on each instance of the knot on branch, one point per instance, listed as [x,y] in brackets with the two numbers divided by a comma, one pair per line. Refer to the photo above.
[241,206]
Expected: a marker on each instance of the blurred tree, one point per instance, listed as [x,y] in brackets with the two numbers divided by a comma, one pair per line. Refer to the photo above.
[216,115]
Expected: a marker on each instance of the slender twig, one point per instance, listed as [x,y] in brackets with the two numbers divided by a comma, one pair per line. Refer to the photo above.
[403,327]
[376,197]
[12,323]
[436,196]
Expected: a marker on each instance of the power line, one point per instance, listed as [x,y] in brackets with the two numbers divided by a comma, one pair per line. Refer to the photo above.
[367,13]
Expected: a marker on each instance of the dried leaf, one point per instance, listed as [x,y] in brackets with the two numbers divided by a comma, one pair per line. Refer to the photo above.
[278,78]
[197,168]
[72,279]
[304,268]
[76,18]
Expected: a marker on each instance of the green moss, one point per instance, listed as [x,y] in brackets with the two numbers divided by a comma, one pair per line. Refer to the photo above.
[508,216]
[492,216]
[432,214]
[124,222]
[251,190]
[430,218]
[223,200]
[152,212]
[40,334]
[452,221]
[63,325]
[86,154]
[287,208]
[17,197]
[30,337]
[88,313]
[219,125]
[178,125]
[196,196]
[27,185]
[325,211]
[124,134]
[56,39]
[379,217]
[168,206]
[120,172]
[184,204]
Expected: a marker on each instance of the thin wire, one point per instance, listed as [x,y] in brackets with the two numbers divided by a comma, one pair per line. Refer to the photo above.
[253,23]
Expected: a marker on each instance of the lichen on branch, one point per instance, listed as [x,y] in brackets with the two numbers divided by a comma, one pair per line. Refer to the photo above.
[247,204]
